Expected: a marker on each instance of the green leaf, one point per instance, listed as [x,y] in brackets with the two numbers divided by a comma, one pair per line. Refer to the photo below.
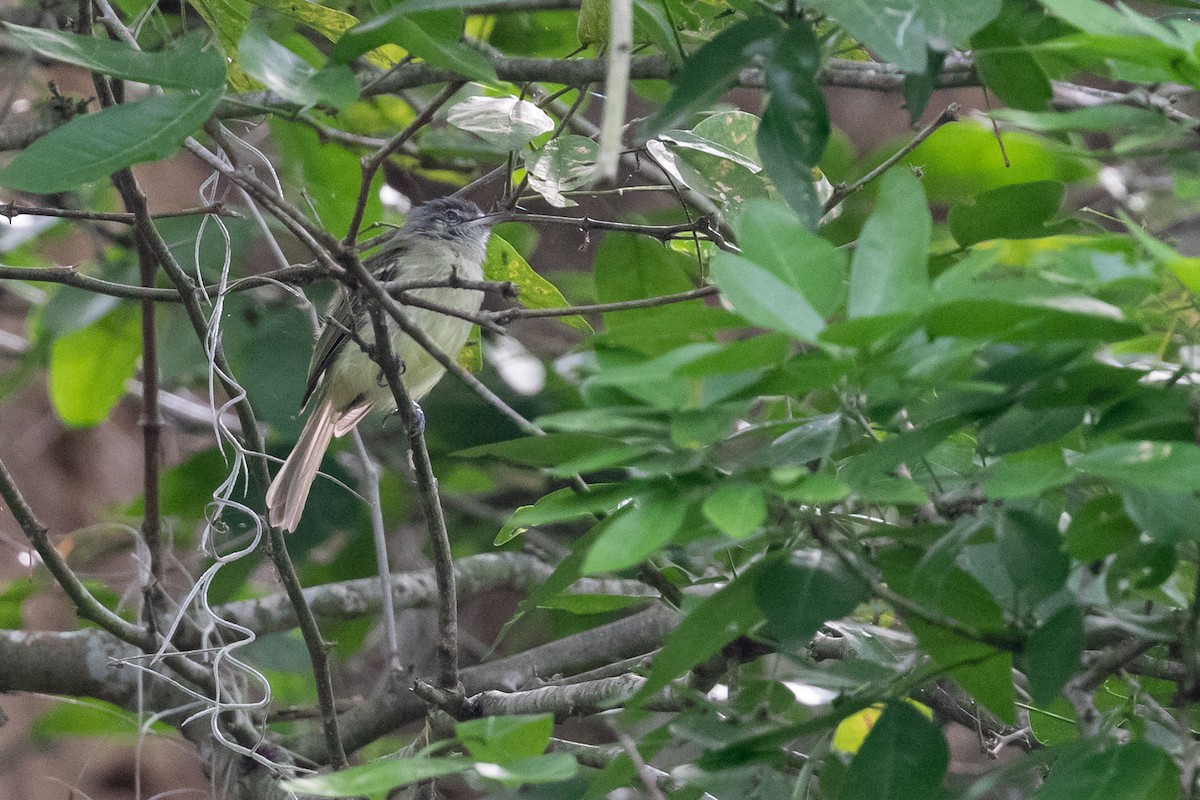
[888,273]
[189,64]
[12,598]
[1166,466]
[89,367]
[396,27]
[290,76]
[326,172]
[1135,771]
[87,717]
[1166,517]
[1104,118]
[729,180]
[963,159]
[714,623]
[1005,63]
[92,147]
[904,757]
[736,509]
[775,239]
[228,19]
[586,604]
[329,22]
[799,595]
[543,451]
[763,298]
[1019,211]
[565,163]
[1052,654]
[1032,551]
[562,505]
[795,125]
[504,263]
[377,777]
[503,739]
[550,768]
[790,73]
[1098,529]
[792,177]
[631,267]
[981,669]
[713,69]
[636,532]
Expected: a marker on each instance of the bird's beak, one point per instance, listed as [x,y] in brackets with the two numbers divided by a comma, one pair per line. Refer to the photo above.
[494,217]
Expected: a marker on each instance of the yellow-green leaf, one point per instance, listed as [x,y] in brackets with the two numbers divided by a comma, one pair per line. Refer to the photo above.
[229,19]
[470,357]
[89,367]
[329,22]
[504,263]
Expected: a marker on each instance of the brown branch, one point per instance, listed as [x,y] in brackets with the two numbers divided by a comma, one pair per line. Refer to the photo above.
[12,210]
[394,704]
[435,518]
[86,605]
[276,545]
[353,599]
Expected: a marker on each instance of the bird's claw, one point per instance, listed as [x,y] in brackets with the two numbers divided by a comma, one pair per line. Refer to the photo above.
[418,421]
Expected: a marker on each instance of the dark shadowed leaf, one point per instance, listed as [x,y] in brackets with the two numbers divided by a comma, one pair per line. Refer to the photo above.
[713,68]
[190,64]
[1052,654]
[92,147]
[904,757]
[1135,771]
[1019,211]
[711,625]
[799,595]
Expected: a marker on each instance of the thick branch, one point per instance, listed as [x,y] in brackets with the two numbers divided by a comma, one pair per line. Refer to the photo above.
[395,704]
[355,598]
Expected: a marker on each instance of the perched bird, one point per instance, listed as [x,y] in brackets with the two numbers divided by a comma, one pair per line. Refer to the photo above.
[440,239]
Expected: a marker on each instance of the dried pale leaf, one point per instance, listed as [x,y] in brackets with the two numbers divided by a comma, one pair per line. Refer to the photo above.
[505,121]
[564,164]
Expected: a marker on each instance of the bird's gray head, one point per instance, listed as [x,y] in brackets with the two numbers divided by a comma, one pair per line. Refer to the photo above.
[450,218]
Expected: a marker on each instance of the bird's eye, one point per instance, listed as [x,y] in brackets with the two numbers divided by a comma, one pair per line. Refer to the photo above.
[453,216]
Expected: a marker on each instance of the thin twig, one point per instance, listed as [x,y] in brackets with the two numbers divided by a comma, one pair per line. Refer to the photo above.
[11,210]
[372,163]
[277,549]
[840,193]
[370,487]
[507,315]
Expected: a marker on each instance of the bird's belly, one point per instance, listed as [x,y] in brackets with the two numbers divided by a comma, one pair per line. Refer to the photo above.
[356,380]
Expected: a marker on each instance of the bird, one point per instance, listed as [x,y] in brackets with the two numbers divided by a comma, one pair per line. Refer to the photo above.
[440,239]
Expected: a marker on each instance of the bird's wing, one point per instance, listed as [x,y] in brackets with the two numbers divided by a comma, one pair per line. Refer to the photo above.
[345,312]
[331,341]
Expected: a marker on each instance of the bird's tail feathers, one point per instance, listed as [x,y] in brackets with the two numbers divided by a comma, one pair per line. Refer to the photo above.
[289,491]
